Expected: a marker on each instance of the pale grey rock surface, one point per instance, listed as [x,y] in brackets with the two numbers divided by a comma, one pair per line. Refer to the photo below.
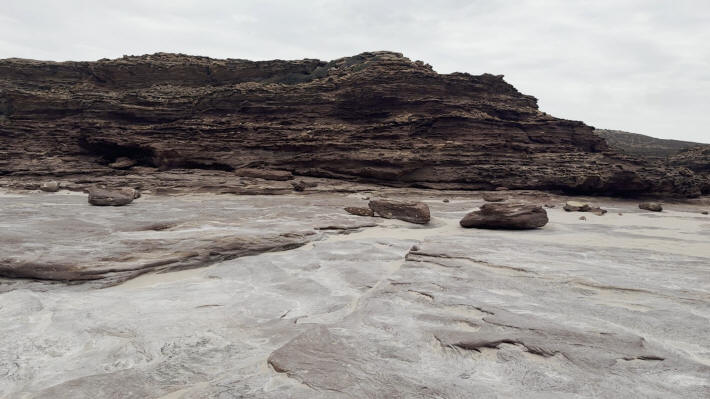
[617,306]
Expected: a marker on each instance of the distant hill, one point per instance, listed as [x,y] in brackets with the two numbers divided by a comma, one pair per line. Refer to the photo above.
[643,146]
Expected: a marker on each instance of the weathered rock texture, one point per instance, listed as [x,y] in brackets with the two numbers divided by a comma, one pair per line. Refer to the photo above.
[506,216]
[103,197]
[413,212]
[696,159]
[359,211]
[265,174]
[61,238]
[579,206]
[375,117]
[396,310]
[651,206]
[50,186]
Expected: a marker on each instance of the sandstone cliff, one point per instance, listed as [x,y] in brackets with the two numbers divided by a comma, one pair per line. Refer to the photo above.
[376,117]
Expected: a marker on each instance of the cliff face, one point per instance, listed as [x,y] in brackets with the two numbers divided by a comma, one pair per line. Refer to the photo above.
[696,159]
[372,117]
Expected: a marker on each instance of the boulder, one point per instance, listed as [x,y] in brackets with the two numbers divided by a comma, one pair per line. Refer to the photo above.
[413,212]
[50,186]
[494,197]
[266,174]
[299,185]
[106,197]
[123,163]
[359,211]
[130,191]
[577,206]
[651,206]
[506,216]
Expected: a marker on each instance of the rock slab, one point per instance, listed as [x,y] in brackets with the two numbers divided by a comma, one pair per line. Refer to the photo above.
[506,216]
[105,197]
[359,211]
[578,206]
[651,206]
[413,212]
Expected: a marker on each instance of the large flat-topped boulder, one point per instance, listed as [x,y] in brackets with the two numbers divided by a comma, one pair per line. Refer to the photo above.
[413,212]
[377,117]
[506,216]
[105,197]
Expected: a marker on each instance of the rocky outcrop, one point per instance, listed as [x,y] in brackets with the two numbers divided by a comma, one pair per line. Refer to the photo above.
[50,186]
[359,211]
[123,163]
[75,242]
[506,216]
[696,159]
[104,197]
[494,197]
[579,206]
[376,117]
[651,206]
[413,212]
[280,175]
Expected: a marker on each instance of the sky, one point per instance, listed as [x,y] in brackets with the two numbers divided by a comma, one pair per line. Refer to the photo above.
[636,65]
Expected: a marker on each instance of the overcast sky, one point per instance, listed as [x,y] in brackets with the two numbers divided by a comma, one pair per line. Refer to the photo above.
[636,65]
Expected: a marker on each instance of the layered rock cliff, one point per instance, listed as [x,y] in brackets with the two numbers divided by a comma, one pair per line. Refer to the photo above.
[376,117]
[696,159]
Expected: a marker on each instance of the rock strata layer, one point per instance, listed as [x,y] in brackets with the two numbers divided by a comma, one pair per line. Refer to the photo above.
[696,159]
[280,175]
[376,117]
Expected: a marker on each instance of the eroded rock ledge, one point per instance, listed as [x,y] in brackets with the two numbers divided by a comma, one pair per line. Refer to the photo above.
[376,117]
